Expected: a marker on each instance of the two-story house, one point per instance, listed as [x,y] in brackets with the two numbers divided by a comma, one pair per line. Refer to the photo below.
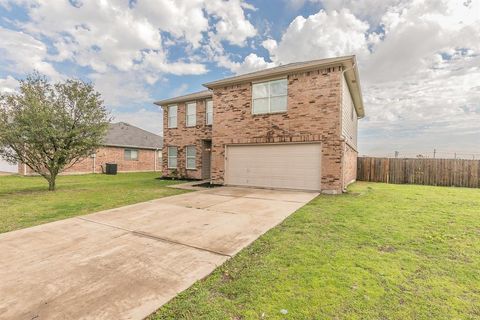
[292,126]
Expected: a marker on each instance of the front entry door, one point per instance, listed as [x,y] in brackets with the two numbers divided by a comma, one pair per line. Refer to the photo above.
[206,159]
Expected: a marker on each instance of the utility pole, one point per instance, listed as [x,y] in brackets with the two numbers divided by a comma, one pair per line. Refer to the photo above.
[396,154]
[434,153]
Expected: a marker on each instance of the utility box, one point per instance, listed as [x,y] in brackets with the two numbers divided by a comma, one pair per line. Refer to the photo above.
[111,168]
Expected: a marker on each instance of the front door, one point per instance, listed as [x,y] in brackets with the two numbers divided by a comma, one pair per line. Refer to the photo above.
[206,159]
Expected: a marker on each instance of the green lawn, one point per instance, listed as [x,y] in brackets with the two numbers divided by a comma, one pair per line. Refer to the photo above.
[25,201]
[380,252]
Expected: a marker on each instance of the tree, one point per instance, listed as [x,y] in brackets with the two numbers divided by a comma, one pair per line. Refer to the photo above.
[50,127]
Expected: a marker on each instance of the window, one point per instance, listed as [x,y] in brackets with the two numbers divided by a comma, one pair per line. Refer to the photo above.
[191,152]
[130,154]
[172,116]
[269,97]
[172,157]
[191,114]
[209,112]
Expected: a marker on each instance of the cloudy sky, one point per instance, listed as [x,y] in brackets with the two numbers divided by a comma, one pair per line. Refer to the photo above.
[419,60]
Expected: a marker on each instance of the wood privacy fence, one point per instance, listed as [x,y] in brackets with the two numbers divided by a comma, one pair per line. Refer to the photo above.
[435,172]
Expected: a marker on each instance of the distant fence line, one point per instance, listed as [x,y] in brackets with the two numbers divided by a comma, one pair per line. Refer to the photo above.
[435,172]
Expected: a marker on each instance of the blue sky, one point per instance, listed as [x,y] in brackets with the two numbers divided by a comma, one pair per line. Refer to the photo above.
[419,60]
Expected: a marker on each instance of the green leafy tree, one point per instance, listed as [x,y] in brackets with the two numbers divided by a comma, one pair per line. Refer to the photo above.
[50,127]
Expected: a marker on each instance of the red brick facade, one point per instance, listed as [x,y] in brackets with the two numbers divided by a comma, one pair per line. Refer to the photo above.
[183,136]
[146,162]
[314,114]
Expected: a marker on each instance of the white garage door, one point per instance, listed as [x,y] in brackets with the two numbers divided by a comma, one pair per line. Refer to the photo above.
[293,166]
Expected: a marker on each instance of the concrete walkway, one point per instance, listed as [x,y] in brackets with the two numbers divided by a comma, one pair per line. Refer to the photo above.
[125,263]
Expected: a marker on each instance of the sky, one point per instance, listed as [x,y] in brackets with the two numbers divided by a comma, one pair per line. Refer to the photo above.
[419,60]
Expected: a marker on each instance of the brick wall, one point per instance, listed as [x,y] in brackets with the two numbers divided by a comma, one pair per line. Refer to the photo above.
[349,165]
[183,136]
[145,162]
[313,114]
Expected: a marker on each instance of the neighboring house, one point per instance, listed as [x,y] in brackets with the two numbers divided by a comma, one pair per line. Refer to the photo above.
[292,126]
[131,148]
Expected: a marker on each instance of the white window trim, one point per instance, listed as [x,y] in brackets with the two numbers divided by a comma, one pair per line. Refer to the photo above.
[130,154]
[186,114]
[206,112]
[190,157]
[269,97]
[168,157]
[169,116]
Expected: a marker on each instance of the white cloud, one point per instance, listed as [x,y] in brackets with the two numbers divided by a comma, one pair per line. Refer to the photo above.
[370,10]
[232,25]
[419,65]
[155,61]
[320,35]
[114,33]
[20,52]
[8,84]
[251,63]
[150,120]
[182,18]
[121,89]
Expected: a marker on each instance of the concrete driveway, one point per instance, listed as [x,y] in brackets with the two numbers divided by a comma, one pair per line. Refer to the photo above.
[124,263]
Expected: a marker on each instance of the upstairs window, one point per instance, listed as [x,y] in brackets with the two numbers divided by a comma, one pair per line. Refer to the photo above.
[191,156]
[209,113]
[172,116]
[172,157]
[269,96]
[130,154]
[191,114]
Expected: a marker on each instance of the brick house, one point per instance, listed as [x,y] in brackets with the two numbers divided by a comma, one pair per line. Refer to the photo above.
[131,148]
[292,126]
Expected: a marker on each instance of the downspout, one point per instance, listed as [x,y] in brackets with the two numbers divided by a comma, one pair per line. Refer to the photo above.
[341,126]
[155,160]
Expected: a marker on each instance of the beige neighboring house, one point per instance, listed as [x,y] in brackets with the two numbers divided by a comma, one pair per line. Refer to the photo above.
[292,126]
[131,148]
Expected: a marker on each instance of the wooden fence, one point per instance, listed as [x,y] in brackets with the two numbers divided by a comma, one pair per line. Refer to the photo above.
[435,172]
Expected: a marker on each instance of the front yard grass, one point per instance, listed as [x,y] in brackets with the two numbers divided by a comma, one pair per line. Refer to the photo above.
[379,252]
[26,201]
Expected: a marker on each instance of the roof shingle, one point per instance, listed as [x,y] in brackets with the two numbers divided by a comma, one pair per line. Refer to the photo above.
[122,134]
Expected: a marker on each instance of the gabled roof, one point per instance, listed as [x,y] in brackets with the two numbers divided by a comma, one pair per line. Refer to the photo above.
[122,134]
[348,63]
[204,94]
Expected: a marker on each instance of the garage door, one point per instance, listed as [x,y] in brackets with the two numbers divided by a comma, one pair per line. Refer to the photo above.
[293,166]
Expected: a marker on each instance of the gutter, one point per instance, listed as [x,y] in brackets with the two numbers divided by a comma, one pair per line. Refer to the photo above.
[132,146]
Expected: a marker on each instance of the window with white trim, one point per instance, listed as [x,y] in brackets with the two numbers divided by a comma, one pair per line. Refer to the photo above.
[209,112]
[191,112]
[130,154]
[191,156]
[269,96]
[172,116]
[172,157]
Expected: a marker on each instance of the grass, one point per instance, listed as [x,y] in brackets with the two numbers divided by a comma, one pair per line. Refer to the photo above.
[379,252]
[26,201]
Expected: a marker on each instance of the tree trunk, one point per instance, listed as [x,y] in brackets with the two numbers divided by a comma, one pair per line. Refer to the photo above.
[51,183]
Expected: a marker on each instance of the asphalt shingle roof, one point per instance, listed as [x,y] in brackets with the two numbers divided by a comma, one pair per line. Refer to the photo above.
[122,134]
